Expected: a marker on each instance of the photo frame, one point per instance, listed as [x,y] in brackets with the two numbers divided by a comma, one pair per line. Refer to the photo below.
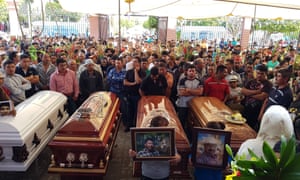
[160,140]
[6,107]
[208,148]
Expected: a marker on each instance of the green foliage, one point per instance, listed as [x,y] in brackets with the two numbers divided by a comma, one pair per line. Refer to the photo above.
[269,166]
[151,23]
[276,26]
[127,23]
[3,11]
[57,13]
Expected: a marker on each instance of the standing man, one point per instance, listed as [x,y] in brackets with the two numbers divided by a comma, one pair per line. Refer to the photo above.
[281,94]
[90,81]
[45,68]
[132,82]
[217,86]
[188,88]
[15,83]
[29,73]
[115,80]
[256,91]
[154,84]
[64,81]
[162,69]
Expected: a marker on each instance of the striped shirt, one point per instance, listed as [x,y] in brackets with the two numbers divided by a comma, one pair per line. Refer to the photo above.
[44,74]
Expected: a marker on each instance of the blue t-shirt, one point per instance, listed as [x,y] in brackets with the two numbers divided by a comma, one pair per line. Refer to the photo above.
[208,174]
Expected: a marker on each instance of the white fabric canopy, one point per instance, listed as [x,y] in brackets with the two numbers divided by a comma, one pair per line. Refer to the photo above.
[189,9]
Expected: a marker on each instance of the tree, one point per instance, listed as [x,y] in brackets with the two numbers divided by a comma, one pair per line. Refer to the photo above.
[57,13]
[234,26]
[151,23]
[276,26]
[18,15]
[3,11]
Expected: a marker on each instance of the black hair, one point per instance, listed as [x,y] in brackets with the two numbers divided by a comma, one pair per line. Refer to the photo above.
[159,121]
[215,125]
[12,55]
[154,71]
[221,68]
[7,63]
[60,60]
[148,139]
[262,68]
[24,56]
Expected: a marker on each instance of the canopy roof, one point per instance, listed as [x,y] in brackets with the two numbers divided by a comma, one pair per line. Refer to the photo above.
[190,9]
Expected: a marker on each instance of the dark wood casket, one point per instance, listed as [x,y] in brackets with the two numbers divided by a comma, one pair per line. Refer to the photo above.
[24,136]
[205,109]
[83,146]
[151,106]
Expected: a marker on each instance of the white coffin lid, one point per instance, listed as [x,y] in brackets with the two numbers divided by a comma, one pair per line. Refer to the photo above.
[14,130]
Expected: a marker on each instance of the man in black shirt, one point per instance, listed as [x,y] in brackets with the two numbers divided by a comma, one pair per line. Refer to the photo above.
[132,82]
[154,84]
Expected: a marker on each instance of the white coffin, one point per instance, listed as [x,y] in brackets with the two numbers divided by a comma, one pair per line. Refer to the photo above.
[24,136]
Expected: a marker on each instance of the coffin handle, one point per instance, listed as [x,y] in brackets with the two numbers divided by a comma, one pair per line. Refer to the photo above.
[36,140]
[59,114]
[50,125]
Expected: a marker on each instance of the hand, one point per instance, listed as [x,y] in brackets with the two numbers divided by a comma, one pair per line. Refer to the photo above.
[131,153]
[75,98]
[176,160]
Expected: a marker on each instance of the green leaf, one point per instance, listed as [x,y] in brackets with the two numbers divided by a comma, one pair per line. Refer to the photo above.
[270,155]
[287,154]
[229,151]
[283,143]
[293,168]
[252,154]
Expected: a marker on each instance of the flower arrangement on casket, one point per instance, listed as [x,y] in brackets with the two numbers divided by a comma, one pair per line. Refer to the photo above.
[286,167]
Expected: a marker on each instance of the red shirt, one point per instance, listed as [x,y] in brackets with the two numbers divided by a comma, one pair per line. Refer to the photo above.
[214,88]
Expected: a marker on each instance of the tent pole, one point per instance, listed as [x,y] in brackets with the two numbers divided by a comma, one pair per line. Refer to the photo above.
[253,26]
[119,15]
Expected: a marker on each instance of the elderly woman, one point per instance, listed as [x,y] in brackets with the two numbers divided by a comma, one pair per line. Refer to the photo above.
[275,123]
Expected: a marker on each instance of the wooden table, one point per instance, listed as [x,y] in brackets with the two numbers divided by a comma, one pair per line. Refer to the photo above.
[205,109]
[150,106]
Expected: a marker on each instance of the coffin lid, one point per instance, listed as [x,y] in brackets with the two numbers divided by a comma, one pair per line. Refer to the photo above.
[14,130]
[89,118]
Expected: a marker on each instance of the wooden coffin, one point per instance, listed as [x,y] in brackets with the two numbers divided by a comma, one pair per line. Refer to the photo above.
[205,109]
[24,136]
[151,106]
[83,145]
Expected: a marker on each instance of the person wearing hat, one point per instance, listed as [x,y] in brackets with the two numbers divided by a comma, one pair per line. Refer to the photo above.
[235,96]
[211,152]
[90,81]
[82,67]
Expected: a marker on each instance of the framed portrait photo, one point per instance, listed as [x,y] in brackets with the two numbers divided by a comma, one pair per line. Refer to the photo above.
[153,143]
[208,148]
[6,107]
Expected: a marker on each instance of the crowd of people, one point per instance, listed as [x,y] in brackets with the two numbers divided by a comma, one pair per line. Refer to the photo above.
[249,81]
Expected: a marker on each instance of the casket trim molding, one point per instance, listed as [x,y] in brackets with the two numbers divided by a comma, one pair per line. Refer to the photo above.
[77,170]
[110,116]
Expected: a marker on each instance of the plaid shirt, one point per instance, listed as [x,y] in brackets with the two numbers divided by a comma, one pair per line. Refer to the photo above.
[146,153]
